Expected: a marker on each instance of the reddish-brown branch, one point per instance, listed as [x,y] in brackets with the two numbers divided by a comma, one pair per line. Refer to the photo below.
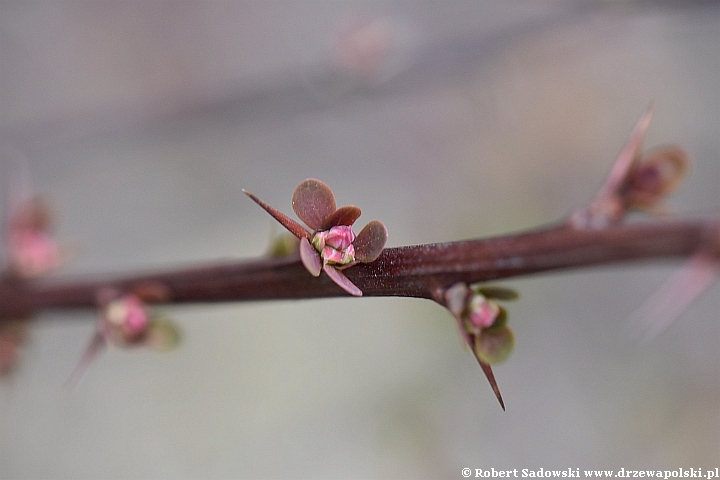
[411,271]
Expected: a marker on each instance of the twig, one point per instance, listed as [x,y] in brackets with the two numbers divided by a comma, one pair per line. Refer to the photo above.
[412,271]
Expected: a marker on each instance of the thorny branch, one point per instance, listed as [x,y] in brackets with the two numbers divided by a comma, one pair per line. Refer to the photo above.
[591,236]
[412,271]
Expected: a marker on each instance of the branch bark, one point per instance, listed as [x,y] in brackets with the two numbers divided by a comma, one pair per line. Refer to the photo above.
[412,271]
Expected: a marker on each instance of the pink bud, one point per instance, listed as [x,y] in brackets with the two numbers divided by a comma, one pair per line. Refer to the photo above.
[136,318]
[481,312]
[340,257]
[32,252]
[318,241]
[340,237]
[126,317]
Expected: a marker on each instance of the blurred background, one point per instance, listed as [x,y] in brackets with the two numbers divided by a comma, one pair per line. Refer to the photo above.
[142,121]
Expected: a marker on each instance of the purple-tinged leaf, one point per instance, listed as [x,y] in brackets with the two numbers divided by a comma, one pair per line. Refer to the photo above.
[313,201]
[658,173]
[342,281]
[287,222]
[342,216]
[370,242]
[310,258]
[487,370]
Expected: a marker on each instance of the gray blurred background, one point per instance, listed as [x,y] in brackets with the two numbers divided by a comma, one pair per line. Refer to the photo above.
[447,120]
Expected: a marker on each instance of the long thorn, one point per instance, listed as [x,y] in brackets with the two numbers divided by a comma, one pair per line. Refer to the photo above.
[287,222]
[487,370]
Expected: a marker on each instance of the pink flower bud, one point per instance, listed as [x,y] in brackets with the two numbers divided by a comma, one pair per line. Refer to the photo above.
[481,312]
[128,316]
[136,318]
[32,252]
[340,237]
[341,257]
[318,240]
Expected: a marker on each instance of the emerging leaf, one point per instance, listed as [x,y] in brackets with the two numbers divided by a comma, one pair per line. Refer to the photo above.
[655,176]
[342,281]
[163,335]
[494,345]
[342,216]
[313,201]
[310,258]
[370,242]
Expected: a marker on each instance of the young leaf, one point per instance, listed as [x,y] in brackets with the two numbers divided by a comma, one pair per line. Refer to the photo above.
[162,335]
[493,346]
[370,242]
[342,216]
[313,201]
[342,281]
[310,258]
[656,175]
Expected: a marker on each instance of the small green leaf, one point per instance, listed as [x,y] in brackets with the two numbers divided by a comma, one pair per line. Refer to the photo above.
[494,346]
[163,335]
[313,201]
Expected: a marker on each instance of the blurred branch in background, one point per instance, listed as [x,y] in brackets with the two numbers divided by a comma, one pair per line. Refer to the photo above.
[371,59]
